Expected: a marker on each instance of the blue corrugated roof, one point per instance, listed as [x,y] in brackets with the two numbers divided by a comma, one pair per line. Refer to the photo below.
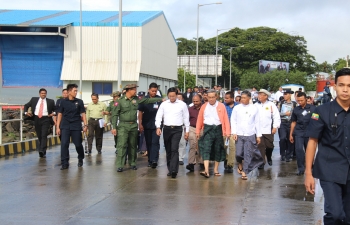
[63,18]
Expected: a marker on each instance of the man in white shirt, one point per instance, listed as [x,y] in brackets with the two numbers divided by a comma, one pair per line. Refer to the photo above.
[270,121]
[175,114]
[245,128]
[278,94]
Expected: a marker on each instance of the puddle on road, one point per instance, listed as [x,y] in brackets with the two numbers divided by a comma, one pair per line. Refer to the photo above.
[298,192]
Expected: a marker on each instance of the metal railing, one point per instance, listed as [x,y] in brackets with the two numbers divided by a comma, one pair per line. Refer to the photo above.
[21,108]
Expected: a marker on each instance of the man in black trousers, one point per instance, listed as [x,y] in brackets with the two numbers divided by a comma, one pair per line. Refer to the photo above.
[70,116]
[175,113]
[42,111]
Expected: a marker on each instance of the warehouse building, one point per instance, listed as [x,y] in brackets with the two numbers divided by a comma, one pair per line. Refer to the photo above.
[41,48]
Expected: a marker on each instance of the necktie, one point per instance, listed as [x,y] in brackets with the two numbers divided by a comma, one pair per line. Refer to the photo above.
[41,109]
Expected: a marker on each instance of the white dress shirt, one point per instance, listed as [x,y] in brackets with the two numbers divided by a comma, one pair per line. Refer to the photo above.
[245,120]
[175,114]
[37,107]
[268,113]
[211,116]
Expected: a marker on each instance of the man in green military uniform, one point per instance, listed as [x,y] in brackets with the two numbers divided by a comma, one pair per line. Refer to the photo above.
[109,111]
[127,129]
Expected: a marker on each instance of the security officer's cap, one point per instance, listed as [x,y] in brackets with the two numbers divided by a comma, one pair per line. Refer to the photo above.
[129,86]
[219,85]
[116,93]
[288,92]
[327,83]
[265,92]
[141,93]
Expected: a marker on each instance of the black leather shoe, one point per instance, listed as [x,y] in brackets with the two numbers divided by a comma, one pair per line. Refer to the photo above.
[283,158]
[300,173]
[116,152]
[134,168]
[99,152]
[149,164]
[41,154]
[229,169]
[287,159]
[80,163]
[173,174]
[169,174]
[181,162]
[120,169]
[261,167]
[64,167]
[269,162]
[190,167]
[154,165]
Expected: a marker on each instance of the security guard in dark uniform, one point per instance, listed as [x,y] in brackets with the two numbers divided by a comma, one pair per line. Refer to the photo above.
[147,119]
[70,115]
[300,120]
[329,129]
[127,129]
[111,107]
[286,109]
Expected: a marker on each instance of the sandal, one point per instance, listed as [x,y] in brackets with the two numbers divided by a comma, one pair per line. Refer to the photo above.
[244,177]
[217,174]
[145,153]
[204,174]
[239,170]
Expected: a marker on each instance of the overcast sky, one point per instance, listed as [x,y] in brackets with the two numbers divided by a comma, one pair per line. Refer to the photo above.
[324,23]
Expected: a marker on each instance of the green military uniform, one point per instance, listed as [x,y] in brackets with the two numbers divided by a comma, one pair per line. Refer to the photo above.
[110,108]
[127,129]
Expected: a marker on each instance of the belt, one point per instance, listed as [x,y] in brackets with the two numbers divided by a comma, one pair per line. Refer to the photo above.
[95,118]
[172,126]
[285,121]
[193,126]
[132,122]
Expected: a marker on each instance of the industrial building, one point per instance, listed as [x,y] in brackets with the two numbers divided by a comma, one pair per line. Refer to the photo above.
[41,48]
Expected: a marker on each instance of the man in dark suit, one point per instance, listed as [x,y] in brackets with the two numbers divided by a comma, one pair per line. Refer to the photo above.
[42,111]
[58,103]
[188,96]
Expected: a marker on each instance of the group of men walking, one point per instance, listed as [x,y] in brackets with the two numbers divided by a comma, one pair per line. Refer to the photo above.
[230,132]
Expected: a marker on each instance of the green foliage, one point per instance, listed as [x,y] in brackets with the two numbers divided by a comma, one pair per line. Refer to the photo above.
[273,80]
[190,79]
[339,64]
[259,43]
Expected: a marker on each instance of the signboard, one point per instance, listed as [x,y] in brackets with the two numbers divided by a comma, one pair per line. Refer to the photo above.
[206,64]
[268,66]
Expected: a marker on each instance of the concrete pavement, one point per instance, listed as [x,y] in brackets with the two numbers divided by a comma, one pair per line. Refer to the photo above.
[36,191]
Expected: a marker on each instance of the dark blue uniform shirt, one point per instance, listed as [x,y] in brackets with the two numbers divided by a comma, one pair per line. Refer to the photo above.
[333,157]
[71,110]
[302,118]
[149,114]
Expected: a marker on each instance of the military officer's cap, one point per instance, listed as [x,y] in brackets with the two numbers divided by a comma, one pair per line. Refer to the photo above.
[116,93]
[129,86]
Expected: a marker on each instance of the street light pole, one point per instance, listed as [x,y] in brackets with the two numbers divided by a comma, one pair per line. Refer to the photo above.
[81,53]
[199,5]
[120,39]
[242,46]
[216,54]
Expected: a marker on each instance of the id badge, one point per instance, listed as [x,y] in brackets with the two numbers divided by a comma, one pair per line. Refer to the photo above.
[304,113]
[155,106]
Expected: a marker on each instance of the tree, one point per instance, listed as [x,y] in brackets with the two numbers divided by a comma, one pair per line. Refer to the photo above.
[190,79]
[259,43]
[339,64]
[273,80]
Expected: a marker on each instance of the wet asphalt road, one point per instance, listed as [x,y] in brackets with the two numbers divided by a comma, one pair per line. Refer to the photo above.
[36,191]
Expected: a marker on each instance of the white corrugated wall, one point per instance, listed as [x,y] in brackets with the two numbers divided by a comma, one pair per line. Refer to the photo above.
[100,54]
[159,49]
